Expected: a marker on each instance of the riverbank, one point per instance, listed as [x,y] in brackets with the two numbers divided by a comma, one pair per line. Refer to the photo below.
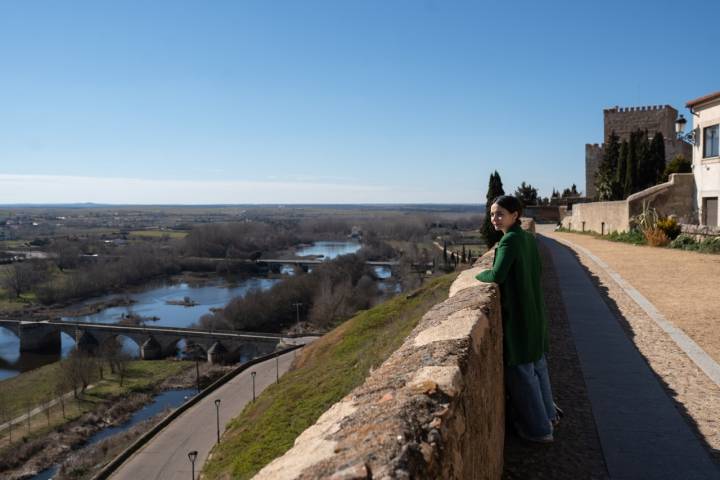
[50,435]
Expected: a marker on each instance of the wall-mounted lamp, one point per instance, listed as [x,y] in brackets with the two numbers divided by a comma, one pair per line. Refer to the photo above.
[680,128]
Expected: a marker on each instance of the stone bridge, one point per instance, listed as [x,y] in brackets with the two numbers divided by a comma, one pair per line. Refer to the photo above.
[153,342]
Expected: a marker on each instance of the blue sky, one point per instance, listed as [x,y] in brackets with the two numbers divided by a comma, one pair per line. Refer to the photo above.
[327,101]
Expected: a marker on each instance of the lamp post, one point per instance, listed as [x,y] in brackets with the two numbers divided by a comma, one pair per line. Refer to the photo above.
[253,381]
[217,411]
[192,456]
[277,368]
[297,306]
[680,129]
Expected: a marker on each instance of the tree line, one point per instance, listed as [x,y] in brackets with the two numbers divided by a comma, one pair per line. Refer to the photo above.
[634,164]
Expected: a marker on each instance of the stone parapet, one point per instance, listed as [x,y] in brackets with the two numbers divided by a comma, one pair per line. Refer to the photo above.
[434,409]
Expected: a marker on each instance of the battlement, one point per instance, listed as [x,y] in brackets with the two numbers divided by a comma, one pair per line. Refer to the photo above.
[644,108]
[594,146]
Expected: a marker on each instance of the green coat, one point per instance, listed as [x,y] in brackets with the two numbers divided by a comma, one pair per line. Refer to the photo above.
[516,269]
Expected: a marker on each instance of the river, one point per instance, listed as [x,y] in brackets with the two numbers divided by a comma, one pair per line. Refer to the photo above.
[152,302]
[170,399]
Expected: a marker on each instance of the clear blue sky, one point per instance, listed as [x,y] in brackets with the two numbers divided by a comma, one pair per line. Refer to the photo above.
[328,101]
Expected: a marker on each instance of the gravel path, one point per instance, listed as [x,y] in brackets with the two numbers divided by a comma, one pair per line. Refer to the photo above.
[682,286]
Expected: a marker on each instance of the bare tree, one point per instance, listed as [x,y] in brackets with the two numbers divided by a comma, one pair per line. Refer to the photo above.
[122,365]
[5,414]
[60,389]
[19,278]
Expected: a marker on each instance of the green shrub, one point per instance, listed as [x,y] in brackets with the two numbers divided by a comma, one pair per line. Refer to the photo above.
[670,226]
[710,245]
[684,242]
[635,237]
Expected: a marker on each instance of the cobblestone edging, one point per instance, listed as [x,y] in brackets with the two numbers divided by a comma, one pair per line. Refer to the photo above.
[434,409]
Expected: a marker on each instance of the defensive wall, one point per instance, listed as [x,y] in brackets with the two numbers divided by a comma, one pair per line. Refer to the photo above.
[674,197]
[434,409]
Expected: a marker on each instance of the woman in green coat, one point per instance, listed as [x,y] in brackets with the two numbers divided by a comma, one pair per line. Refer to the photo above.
[516,269]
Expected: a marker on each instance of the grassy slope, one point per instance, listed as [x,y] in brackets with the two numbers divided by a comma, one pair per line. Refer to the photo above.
[325,372]
[36,386]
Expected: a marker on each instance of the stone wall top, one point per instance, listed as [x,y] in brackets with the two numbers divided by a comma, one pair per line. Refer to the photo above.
[434,409]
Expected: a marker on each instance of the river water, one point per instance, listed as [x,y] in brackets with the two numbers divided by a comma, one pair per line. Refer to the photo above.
[152,302]
[168,400]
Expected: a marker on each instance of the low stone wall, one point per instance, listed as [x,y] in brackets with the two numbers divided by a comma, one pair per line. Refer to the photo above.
[700,232]
[433,410]
[600,217]
[674,197]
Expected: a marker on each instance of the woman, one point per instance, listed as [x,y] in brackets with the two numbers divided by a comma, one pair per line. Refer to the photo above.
[516,269]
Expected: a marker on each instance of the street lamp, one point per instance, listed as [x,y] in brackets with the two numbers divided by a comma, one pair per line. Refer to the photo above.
[253,380]
[297,306]
[192,456]
[277,368]
[680,128]
[217,411]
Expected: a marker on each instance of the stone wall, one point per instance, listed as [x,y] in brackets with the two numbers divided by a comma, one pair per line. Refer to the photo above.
[543,213]
[593,157]
[433,410]
[674,197]
[653,118]
[600,217]
[700,232]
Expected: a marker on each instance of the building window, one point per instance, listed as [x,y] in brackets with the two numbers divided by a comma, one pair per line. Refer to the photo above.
[711,141]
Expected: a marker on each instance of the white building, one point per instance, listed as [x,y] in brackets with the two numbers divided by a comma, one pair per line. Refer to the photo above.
[706,155]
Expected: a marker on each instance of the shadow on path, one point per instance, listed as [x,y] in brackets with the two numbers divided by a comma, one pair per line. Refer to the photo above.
[630,332]
[576,452]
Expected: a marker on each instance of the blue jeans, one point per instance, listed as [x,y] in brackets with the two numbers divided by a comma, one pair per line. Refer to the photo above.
[530,394]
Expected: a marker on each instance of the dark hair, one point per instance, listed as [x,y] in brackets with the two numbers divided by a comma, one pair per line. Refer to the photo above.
[511,204]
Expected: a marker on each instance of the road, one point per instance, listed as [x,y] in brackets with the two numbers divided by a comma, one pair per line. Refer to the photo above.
[166,456]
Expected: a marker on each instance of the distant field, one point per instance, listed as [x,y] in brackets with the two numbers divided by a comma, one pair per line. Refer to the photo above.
[158,234]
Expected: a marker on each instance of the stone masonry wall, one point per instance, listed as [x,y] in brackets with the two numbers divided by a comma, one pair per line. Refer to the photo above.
[433,410]
[600,217]
[653,118]
[593,157]
[674,197]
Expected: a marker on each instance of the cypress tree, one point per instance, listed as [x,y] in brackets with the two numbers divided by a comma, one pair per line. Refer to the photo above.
[631,166]
[463,258]
[495,189]
[445,257]
[619,184]
[644,176]
[604,177]
[657,158]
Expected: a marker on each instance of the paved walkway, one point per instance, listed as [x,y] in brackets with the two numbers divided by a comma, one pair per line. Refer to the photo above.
[166,456]
[642,434]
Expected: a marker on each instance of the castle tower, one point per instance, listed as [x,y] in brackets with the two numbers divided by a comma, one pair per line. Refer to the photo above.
[625,120]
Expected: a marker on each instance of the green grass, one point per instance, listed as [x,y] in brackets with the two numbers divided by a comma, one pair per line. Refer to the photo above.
[35,387]
[158,234]
[325,372]
[634,237]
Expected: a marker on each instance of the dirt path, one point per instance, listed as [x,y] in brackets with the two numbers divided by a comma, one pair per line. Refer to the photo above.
[683,287]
